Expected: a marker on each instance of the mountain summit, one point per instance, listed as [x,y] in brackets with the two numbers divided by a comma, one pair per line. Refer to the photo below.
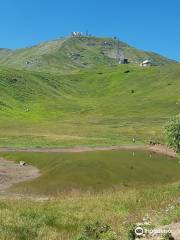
[76,52]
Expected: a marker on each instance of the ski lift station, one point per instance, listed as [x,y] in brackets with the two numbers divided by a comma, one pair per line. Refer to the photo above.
[123,61]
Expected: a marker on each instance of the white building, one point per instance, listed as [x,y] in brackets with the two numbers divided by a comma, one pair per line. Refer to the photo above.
[146,63]
[76,34]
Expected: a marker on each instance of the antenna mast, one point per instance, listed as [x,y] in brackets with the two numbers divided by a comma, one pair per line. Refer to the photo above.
[119,54]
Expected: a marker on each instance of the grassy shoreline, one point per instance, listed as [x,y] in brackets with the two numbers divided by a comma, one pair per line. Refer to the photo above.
[64,217]
[157,148]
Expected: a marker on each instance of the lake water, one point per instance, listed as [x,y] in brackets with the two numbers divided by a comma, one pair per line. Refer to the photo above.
[97,170]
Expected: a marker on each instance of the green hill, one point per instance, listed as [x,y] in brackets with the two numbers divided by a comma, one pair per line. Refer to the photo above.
[103,106]
[74,53]
[72,92]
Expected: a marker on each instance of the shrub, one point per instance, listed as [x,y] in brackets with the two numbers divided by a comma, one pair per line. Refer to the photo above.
[172,131]
[168,236]
[98,231]
[131,233]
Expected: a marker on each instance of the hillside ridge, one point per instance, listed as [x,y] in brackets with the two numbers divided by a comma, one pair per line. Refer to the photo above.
[75,53]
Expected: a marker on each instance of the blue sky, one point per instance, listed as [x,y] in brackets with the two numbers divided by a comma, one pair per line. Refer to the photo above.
[146,24]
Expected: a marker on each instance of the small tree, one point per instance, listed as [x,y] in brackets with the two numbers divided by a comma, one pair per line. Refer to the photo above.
[172,130]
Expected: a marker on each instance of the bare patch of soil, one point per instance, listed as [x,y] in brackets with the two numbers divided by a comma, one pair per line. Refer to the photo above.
[12,173]
[163,149]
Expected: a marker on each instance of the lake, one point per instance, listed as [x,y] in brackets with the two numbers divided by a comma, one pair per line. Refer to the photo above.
[96,171]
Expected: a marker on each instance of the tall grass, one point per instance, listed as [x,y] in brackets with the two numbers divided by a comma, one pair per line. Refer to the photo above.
[65,216]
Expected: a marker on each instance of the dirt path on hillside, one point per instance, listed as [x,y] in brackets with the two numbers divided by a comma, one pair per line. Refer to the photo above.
[12,173]
[162,149]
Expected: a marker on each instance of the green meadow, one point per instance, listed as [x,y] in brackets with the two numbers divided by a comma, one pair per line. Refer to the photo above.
[100,107]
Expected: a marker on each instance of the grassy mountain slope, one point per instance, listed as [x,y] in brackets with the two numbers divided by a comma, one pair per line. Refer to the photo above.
[97,103]
[93,107]
[71,54]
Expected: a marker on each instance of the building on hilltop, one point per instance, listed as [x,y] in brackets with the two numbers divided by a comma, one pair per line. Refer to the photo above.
[146,63]
[76,34]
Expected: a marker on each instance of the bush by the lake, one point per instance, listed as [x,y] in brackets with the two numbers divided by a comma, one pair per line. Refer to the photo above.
[172,130]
